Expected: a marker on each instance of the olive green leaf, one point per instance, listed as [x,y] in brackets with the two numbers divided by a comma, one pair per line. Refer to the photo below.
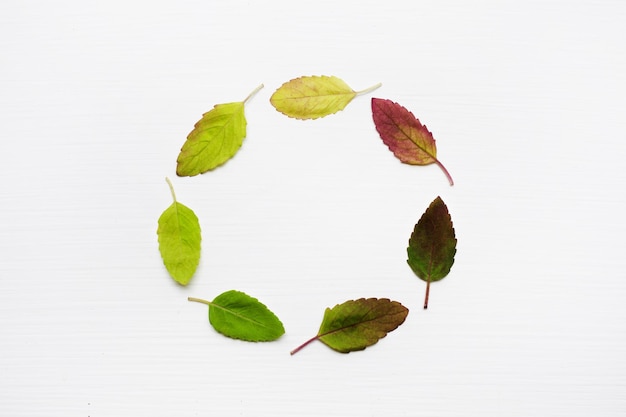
[215,138]
[357,324]
[432,245]
[313,97]
[239,316]
[179,240]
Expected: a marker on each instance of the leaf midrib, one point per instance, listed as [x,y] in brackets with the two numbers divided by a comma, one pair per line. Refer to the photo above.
[421,147]
[432,255]
[319,96]
[220,135]
[211,303]
[179,230]
[352,325]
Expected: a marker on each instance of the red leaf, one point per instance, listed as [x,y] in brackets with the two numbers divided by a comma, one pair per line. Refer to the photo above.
[409,140]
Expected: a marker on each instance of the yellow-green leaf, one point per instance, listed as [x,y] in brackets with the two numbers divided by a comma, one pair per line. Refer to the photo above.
[215,138]
[179,240]
[314,96]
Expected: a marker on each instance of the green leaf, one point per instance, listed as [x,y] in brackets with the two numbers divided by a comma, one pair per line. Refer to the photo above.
[179,240]
[357,324]
[239,316]
[313,97]
[432,245]
[215,138]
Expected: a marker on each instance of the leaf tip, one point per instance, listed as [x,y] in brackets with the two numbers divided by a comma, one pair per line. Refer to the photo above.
[376,102]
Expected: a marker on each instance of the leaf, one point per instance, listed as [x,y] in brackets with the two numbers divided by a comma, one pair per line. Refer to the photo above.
[432,245]
[239,316]
[314,97]
[409,140]
[357,324]
[179,240]
[215,138]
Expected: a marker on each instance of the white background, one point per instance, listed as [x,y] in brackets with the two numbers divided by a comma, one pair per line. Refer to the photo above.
[527,103]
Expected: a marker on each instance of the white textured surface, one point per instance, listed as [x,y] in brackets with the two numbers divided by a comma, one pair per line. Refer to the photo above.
[527,101]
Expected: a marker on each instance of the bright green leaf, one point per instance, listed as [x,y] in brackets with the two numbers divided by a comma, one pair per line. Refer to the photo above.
[179,240]
[239,316]
[357,324]
[314,96]
[432,245]
[214,140]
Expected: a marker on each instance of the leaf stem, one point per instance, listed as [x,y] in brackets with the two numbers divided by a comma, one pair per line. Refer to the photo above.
[199,300]
[296,350]
[445,171]
[426,296]
[256,90]
[369,89]
[171,188]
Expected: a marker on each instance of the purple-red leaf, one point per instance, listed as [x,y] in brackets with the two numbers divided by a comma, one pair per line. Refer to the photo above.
[409,140]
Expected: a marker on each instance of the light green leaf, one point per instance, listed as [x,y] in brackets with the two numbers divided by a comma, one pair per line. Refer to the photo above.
[179,240]
[357,324]
[215,138]
[312,97]
[239,316]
